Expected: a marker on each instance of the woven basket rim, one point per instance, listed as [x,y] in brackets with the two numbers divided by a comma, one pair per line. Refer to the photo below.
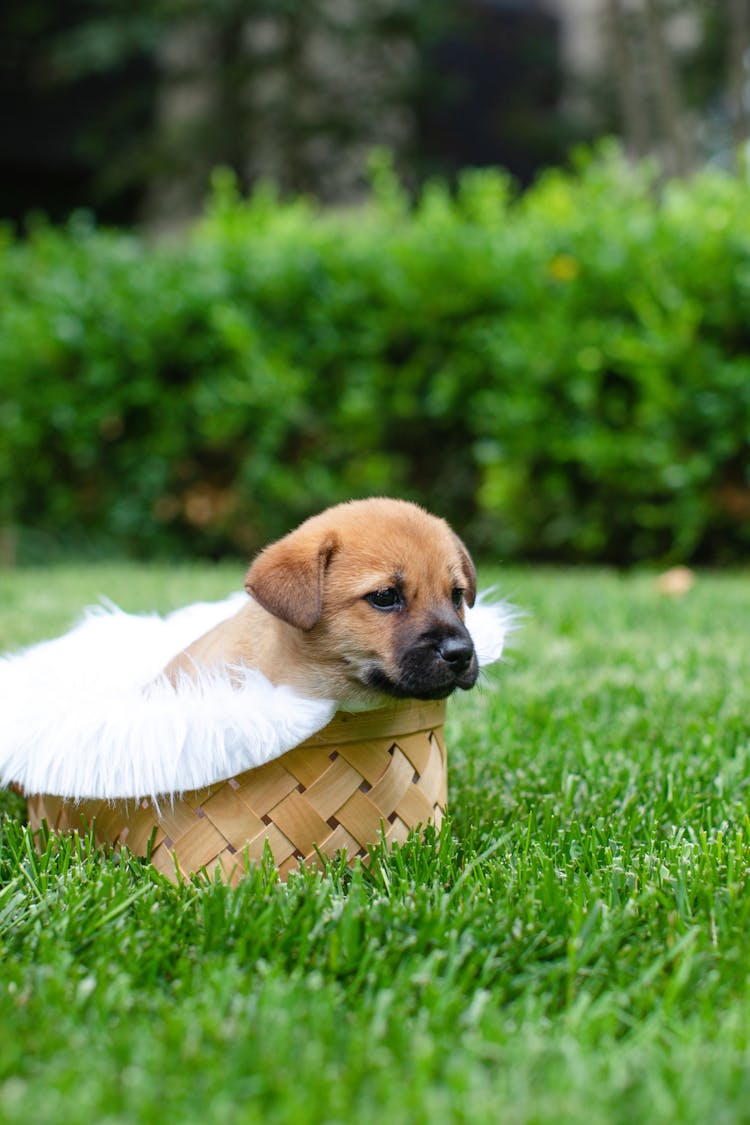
[408,716]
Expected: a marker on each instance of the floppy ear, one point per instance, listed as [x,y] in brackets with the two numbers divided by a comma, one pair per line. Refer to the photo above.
[469,572]
[287,577]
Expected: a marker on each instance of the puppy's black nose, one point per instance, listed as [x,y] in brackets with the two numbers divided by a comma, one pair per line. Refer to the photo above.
[457,652]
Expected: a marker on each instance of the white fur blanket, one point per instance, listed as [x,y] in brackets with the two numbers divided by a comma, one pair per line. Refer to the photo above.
[87,715]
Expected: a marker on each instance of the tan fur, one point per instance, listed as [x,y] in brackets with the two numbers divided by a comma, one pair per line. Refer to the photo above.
[309,624]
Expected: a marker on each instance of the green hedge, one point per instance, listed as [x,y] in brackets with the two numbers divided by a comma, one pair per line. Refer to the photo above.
[564,374]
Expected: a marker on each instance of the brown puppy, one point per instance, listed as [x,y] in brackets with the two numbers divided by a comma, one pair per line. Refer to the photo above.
[362,602]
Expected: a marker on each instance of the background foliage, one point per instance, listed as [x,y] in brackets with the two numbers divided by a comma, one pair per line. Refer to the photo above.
[564,374]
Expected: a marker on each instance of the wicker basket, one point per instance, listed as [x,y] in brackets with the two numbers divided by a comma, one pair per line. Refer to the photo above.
[363,777]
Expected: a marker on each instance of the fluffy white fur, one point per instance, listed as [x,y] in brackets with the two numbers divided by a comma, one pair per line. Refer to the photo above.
[88,715]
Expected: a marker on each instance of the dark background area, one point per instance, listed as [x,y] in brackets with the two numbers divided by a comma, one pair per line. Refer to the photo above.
[126,108]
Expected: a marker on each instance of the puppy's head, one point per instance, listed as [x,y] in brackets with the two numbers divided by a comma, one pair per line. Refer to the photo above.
[377,590]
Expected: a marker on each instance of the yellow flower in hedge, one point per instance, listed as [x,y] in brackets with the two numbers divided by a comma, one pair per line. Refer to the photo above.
[563,268]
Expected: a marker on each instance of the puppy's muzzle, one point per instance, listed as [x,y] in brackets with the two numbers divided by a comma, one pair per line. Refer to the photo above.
[432,666]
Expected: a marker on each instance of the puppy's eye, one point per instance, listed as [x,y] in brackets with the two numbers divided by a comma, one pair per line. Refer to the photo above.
[385,599]
[457,597]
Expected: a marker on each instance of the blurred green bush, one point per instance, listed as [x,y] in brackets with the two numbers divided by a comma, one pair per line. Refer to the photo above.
[564,374]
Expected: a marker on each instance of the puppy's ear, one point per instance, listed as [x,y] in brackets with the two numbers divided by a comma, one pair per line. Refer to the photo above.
[287,578]
[469,572]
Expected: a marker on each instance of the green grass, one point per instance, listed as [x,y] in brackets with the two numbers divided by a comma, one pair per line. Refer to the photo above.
[573,947]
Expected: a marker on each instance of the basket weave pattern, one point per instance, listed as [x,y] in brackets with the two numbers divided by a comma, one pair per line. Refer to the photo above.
[362,778]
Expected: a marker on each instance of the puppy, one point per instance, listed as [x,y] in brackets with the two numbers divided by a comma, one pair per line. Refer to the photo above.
[362,603]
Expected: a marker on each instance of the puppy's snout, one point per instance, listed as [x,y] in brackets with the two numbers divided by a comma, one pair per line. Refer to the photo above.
[433,665]
[457,652]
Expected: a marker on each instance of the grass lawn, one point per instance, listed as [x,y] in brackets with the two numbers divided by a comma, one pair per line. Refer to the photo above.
[574,948]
